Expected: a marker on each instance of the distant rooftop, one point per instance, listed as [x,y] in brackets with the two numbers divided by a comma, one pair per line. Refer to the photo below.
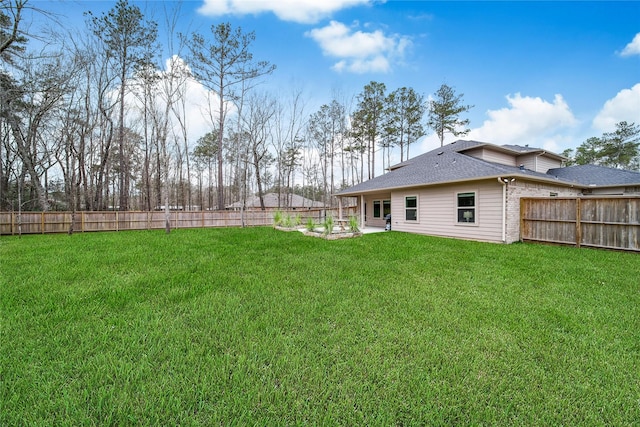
[274,200]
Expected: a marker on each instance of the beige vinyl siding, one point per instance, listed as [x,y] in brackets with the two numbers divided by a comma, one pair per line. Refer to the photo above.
[437,211]
[527,160]
[474,152]
[545,163]
[538,163]
[492,156]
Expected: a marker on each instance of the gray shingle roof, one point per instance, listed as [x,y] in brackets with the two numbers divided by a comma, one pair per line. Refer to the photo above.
[442,165]
[446,164]
[590,175]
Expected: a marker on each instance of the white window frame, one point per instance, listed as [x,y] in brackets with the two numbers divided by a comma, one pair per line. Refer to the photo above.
[473,209]
[417,208]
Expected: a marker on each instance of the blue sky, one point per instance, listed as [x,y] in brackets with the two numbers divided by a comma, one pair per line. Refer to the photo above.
[547,74]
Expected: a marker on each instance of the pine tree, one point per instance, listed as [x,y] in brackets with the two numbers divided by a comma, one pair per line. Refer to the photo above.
[444,113]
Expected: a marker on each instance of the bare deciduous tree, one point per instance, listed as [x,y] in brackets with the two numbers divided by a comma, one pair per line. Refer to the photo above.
[257,125]
[125,35]
[221,65]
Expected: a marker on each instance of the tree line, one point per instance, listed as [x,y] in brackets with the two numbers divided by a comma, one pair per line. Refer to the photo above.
[97,123]
[618,149]
[94,121]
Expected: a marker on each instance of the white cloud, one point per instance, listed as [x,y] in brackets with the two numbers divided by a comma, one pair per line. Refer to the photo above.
[431,142]
[527,120]
[303,11]
[625,106]
[358,51]
[633,48]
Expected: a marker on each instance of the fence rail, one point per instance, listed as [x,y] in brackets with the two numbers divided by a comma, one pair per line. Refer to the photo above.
[12,223]
[602,222]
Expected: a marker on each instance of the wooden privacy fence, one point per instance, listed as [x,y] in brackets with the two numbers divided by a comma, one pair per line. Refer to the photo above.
[12,223]
[602,222]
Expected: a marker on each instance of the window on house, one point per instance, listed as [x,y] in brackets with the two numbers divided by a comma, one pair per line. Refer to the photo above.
[376,208]
[411,208]
[386,208]
[467,208]
[381,208]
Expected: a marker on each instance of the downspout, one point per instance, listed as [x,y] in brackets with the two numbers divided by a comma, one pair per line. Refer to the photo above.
[504,208]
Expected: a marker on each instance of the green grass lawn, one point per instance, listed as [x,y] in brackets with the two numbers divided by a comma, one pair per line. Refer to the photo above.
[260,327]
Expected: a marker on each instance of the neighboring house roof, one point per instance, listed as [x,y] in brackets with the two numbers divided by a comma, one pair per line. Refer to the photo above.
[592,175]
[274,200]
[448,164]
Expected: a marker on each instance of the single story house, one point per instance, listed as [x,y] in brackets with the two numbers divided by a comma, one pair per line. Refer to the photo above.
[278,201]
[472,190]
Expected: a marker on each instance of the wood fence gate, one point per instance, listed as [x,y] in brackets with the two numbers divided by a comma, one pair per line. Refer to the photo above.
[611,222]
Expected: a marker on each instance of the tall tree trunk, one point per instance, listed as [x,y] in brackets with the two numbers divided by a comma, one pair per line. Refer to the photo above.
[27,161]
[220,146]
[256,162]
[123,175]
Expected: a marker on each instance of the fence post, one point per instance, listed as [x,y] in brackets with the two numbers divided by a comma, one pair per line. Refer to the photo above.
[578,219]
[42,222]
[522,211]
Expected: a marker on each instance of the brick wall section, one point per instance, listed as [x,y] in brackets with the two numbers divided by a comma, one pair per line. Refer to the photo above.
[519,189]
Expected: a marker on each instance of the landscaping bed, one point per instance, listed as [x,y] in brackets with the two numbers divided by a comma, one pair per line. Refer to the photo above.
[335,235]
[310,228]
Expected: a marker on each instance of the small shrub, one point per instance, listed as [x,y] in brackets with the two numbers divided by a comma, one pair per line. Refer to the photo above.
[291,221]
[287,221]
[328,225]
[353,224]
[297,220]
[278,218]
[311,224]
